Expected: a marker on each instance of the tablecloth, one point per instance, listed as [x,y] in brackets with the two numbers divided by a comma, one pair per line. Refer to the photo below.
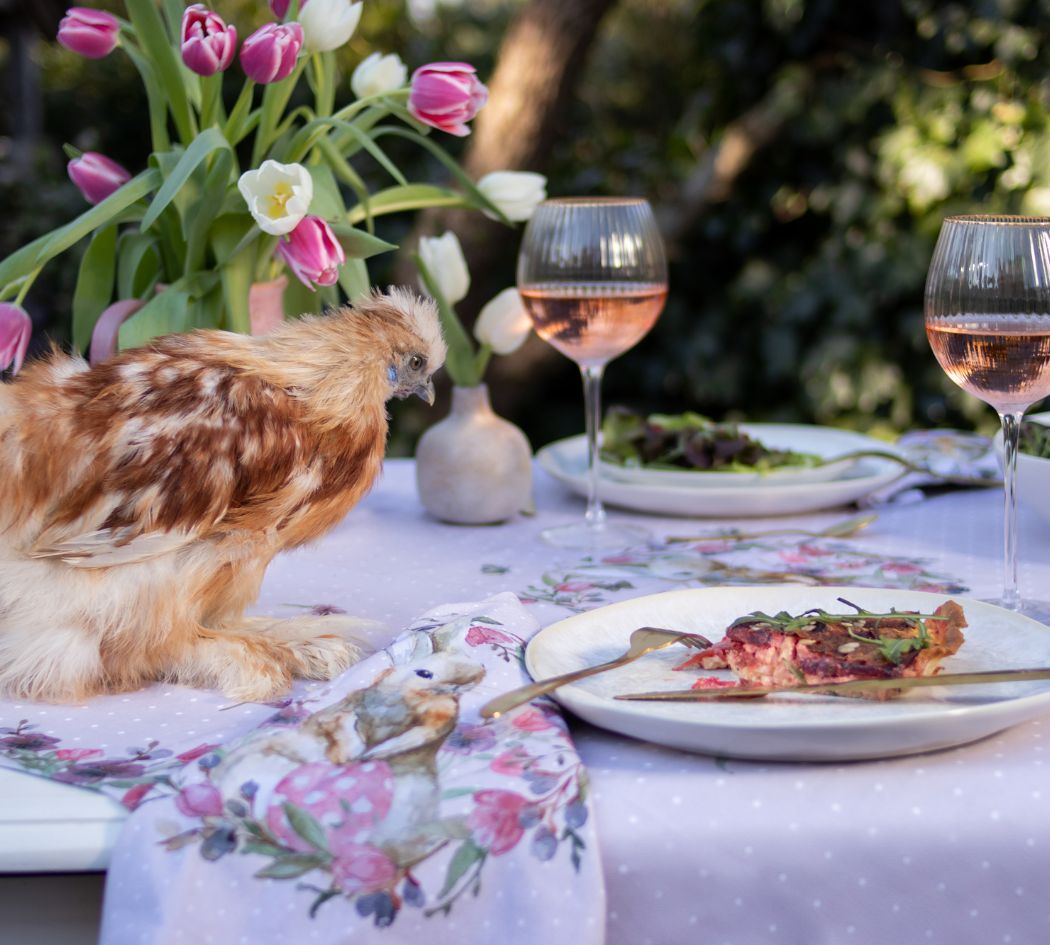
[948,847]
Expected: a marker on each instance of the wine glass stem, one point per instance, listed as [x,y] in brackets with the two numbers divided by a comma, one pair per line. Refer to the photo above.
[592,402]
[1011,428]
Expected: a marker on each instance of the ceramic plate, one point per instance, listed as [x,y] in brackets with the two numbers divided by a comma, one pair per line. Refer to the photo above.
[566,460]
[819,441]
[802,727]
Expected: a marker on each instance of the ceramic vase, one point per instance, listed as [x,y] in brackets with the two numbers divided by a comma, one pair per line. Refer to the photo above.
[474,467]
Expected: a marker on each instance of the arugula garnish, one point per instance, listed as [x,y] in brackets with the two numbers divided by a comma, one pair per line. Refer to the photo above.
[892,649]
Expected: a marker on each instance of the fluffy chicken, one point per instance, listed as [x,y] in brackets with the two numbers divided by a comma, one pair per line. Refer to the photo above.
[142,499]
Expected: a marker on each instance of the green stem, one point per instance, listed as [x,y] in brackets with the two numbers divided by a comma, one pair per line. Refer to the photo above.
[460,363]
[27,284]
[236,124]
[211,100]
[275,98]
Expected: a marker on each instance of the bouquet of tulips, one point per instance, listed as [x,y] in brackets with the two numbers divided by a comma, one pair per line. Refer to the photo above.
[179,244]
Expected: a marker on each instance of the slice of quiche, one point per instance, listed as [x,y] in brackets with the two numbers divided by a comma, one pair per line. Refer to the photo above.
[819,647]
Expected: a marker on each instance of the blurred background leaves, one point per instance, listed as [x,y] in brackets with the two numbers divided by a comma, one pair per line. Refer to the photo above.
[801,155]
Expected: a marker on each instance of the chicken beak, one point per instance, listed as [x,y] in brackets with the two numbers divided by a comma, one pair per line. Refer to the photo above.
[425,392]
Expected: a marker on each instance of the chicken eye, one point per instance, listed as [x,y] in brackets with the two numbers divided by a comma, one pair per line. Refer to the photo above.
[424,673]
[415,362]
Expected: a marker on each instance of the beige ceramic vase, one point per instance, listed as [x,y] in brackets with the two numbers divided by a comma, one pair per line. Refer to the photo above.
[474,467]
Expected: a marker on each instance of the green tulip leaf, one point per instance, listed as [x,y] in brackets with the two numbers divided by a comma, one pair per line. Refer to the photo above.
[410,197]
[166,312]
[138,265]
[358,244]
[207,142]
[235,270]
[328,200]
[353,278]
[94,288]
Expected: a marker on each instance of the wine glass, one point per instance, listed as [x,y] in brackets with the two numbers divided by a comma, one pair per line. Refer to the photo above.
[593,277]
[988,321]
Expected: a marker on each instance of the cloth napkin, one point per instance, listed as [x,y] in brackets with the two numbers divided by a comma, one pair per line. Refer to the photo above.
[382,810]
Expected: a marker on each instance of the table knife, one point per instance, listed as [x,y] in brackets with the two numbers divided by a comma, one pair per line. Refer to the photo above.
[853,685]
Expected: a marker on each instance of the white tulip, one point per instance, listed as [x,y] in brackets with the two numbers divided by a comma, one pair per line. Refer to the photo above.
[443,257]
[503,324]
[328,24]
[516,193]
[376,74]
[278,195]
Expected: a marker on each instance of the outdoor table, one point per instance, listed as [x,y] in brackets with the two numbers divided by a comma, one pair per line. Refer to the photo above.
[948,847]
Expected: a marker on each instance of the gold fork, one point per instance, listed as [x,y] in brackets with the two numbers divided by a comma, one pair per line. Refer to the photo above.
[643,640]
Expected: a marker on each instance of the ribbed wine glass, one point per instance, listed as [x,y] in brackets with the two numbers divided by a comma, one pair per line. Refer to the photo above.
[988,321]
[593,276]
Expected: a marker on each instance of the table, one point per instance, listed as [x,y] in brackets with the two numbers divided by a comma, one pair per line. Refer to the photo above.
[950,847]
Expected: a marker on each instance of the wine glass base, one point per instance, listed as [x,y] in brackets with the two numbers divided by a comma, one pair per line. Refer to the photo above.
[601,537]
[1036,609]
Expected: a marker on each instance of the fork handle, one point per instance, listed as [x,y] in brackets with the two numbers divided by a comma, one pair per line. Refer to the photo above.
[510,700]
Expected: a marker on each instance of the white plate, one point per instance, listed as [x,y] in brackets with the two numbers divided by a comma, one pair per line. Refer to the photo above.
[790,728]
[820,441]
[566,460]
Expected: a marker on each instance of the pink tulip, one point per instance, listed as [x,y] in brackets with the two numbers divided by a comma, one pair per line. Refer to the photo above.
[312,252]
[91,33]
[280,7]
[96,175]
[199,800]
[15,329]
[446,95]
[269,54]
[208,44]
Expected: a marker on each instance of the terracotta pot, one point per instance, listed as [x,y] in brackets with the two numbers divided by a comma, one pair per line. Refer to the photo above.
[473,467]
[266,305]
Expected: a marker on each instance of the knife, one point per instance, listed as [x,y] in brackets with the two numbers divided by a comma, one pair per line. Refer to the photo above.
[853,685]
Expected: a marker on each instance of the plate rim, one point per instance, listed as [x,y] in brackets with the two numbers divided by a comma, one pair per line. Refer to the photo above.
[581,701]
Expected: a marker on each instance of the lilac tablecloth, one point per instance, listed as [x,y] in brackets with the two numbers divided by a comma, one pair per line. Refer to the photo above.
[951,847]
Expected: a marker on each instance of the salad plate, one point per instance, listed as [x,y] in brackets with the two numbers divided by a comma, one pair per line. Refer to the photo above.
[790,727]
[662,492]
[823,442]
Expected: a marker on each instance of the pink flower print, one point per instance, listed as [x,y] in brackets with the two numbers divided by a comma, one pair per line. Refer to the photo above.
[352,797]
[712,547]
[812,551]
[199,800]
[133,796]
[619,559]
[77,754]
[531,719]
[901,567]
[573,587]
[470,738]
[512,762]
[479,636]
[496,820]
[360,868]
[192,754]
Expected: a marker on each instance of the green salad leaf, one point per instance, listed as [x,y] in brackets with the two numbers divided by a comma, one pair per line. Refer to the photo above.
[1034,439]
[689,441]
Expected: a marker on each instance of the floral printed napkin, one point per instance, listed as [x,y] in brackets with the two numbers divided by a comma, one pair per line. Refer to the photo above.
[385,808]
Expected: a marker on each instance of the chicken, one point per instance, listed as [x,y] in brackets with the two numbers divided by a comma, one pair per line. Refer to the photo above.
[143,498]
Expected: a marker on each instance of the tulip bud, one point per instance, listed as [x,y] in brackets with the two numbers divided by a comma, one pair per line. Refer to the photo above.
[269,54]
[446,95]
[208,44]
[15,329]
[516,193]
[312,253]
[96,175]
[328,24]
[503,324]
[376,74]
[278,195]
[91,33]
[280,7]
[443,257]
